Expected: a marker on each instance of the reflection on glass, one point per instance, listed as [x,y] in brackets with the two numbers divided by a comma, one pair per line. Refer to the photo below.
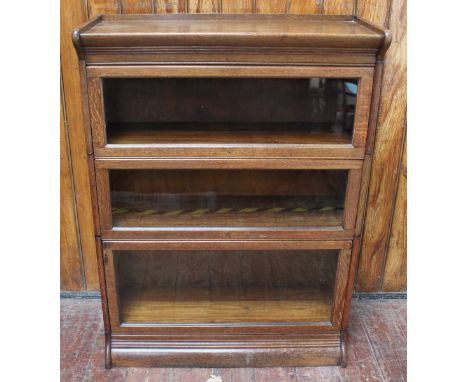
[229,110]
[212,198]
[225,286]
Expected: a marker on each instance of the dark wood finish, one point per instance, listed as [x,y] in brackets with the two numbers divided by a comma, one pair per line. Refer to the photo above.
[314,350]
[162,304]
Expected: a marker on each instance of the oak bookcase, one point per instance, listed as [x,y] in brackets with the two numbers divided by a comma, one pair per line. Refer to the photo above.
[229,158]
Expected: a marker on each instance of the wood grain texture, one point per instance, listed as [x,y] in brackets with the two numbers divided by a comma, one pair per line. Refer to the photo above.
[96,112]
[387,156]
[98,7]
[341,283]
[137,6]
[395,266]
[71,277]
[238,6]
[76,12]
[71,15]
[305,7]
[204,6]
[271,6]
[338,7]
[352,198]
[104,303]
[226,71]
[170,6]
[375,11]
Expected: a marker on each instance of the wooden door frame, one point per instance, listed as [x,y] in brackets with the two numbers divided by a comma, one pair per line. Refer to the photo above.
[339,293]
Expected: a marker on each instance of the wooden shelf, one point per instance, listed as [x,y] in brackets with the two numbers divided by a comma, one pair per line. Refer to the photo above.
[220,287]
[219,198]
[141,307]
[212,133]
[246,218]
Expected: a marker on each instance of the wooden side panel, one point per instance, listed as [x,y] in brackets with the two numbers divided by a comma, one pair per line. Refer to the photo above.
[71,15]
[375,11]
[238,6]
[338,7]
[204,6]
[395,267]
[387,156]
[305,7]
[97,7]
[96,111]
[71,272]
[170,6]
[137,6]
[340,285]
[271,6]
[352,198]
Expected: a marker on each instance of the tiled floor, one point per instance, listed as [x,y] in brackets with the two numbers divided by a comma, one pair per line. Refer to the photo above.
[376,352]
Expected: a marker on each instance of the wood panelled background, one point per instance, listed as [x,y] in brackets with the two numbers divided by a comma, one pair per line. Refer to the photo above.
[382,263]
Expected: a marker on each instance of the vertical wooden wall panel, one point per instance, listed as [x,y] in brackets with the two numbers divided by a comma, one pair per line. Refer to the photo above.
[395,266]
[137,6]
[71,272]
[238,6]
[376,11]
[305,7]
[204,6]
[97,7]
[170,6]
[271,6]
[73,13]
[387,157]
[338,7]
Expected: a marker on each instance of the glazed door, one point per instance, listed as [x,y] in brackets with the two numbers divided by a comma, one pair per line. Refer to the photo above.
[237,285]
[261,112]
[219,202]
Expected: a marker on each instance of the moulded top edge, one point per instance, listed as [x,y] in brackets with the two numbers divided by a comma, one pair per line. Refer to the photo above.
[282,31]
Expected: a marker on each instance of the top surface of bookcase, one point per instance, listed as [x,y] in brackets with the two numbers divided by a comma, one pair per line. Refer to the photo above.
[182,30]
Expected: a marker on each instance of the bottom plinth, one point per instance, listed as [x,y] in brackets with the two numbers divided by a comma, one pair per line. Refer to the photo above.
[326,349]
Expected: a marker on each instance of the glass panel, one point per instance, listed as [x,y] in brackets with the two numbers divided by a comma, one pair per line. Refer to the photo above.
[230,110]
[215,198]
[225,286]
